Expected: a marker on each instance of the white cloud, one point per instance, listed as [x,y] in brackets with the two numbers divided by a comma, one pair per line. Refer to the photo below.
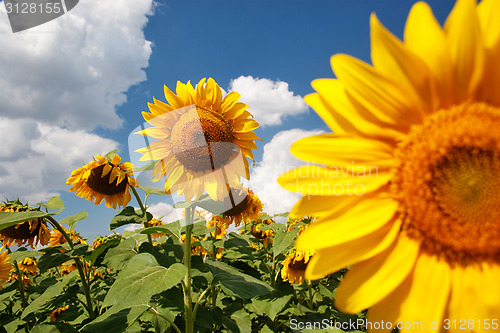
[37,163]
[75,70]
[60,80]
[277,160]
[270,101]
[165,211]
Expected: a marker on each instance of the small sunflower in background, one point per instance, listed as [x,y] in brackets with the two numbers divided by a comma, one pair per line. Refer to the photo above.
[203,140]
[248,208]
[56,313]
[28,265]
[266,236]
[5,266]
[155,223]
[30,232]
[104,179]
[57,238]
[415,206]
[24,279]
[220,226]
[294,266]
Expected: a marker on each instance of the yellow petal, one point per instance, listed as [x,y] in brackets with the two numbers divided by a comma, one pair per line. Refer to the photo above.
[229,101]
[343,114]
[366,283]
[391,58]
[113,174]
[464,41]
[331,259]
[322,205]
[374,91]
[200,93]
[345,151]
[236,110]
[245,143]
[185,92]
[107,168]
[173,99]
[429,293]
[246,125]
[360,220]
[116,160]
[424,37]
[316,180]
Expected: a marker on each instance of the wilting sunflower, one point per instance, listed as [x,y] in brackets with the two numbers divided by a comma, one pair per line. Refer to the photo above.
[203,140]
[56,313]
[417,135]
[265,235]
[294,266]
[57,238]
[104,179]
[5,266]
[28,265]
[29,232]
[248,209]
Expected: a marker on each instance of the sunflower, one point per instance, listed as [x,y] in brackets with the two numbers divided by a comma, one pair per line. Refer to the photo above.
[155,223]
[104,179]
[410,193]
[24,279]
[220,224]
[294,266]
[5,266]
[248,208]
[30,232]
[264,235]
[57,238]
[28,265]
[195,249]
[204,140]
[56,313]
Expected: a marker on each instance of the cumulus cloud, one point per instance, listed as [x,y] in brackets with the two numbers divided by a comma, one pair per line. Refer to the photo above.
[270,101]
[165,211]
[75,70]
[36,165]
[60,80]
[277,160]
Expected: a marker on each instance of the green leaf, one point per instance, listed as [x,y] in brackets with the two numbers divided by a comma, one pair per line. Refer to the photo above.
[54,257]
[58,327]
[171,229]
[22,253]
[50,293]
[128,216]
[153,190]
[8,219]
[242,319]
[142,278]
[236,283]
[269,306]
[117,319]
[71,220]
[101,248]
[118,256]
[283,241]
[53,203]
[146,167]
[109,156]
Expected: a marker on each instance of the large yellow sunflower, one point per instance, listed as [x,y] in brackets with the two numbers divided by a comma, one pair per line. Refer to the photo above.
[203,140]
[410,194]
[104,179]
[5,266]
[30,232]
[294,266]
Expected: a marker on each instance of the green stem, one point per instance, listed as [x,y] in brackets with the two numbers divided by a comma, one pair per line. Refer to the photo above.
[201,298]
[143,209]
[21,286]
[169,321]
[309,289]
[188,314]
[79,265]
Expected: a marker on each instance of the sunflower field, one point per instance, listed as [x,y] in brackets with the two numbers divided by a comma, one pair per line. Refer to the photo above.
[397,228]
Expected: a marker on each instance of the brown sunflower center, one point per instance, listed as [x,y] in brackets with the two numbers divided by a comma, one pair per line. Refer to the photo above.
[101,184]
[23,230]
[202,140]
[298,265]
[448,183]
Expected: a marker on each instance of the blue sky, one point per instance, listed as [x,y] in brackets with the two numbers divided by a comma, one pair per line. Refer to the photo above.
[76,86]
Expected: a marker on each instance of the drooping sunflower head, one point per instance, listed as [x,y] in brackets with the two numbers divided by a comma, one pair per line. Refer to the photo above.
[28,265]
[203,140]
[30,232]
[410,183]
[294,266]
[57,238]
[56,313]
[263,234]
[104,239]
[5,266]
[104,179]
[248,208]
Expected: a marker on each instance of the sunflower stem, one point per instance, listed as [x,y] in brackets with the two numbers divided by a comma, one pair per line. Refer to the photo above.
[78,262]
[20,284]
[143,209]
[309,289]
[172,324]
[188,311]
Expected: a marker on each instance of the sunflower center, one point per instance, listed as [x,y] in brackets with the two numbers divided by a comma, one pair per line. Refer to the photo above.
[23,230]
[298,265]
[101,184]
[202,140]
[448,183]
